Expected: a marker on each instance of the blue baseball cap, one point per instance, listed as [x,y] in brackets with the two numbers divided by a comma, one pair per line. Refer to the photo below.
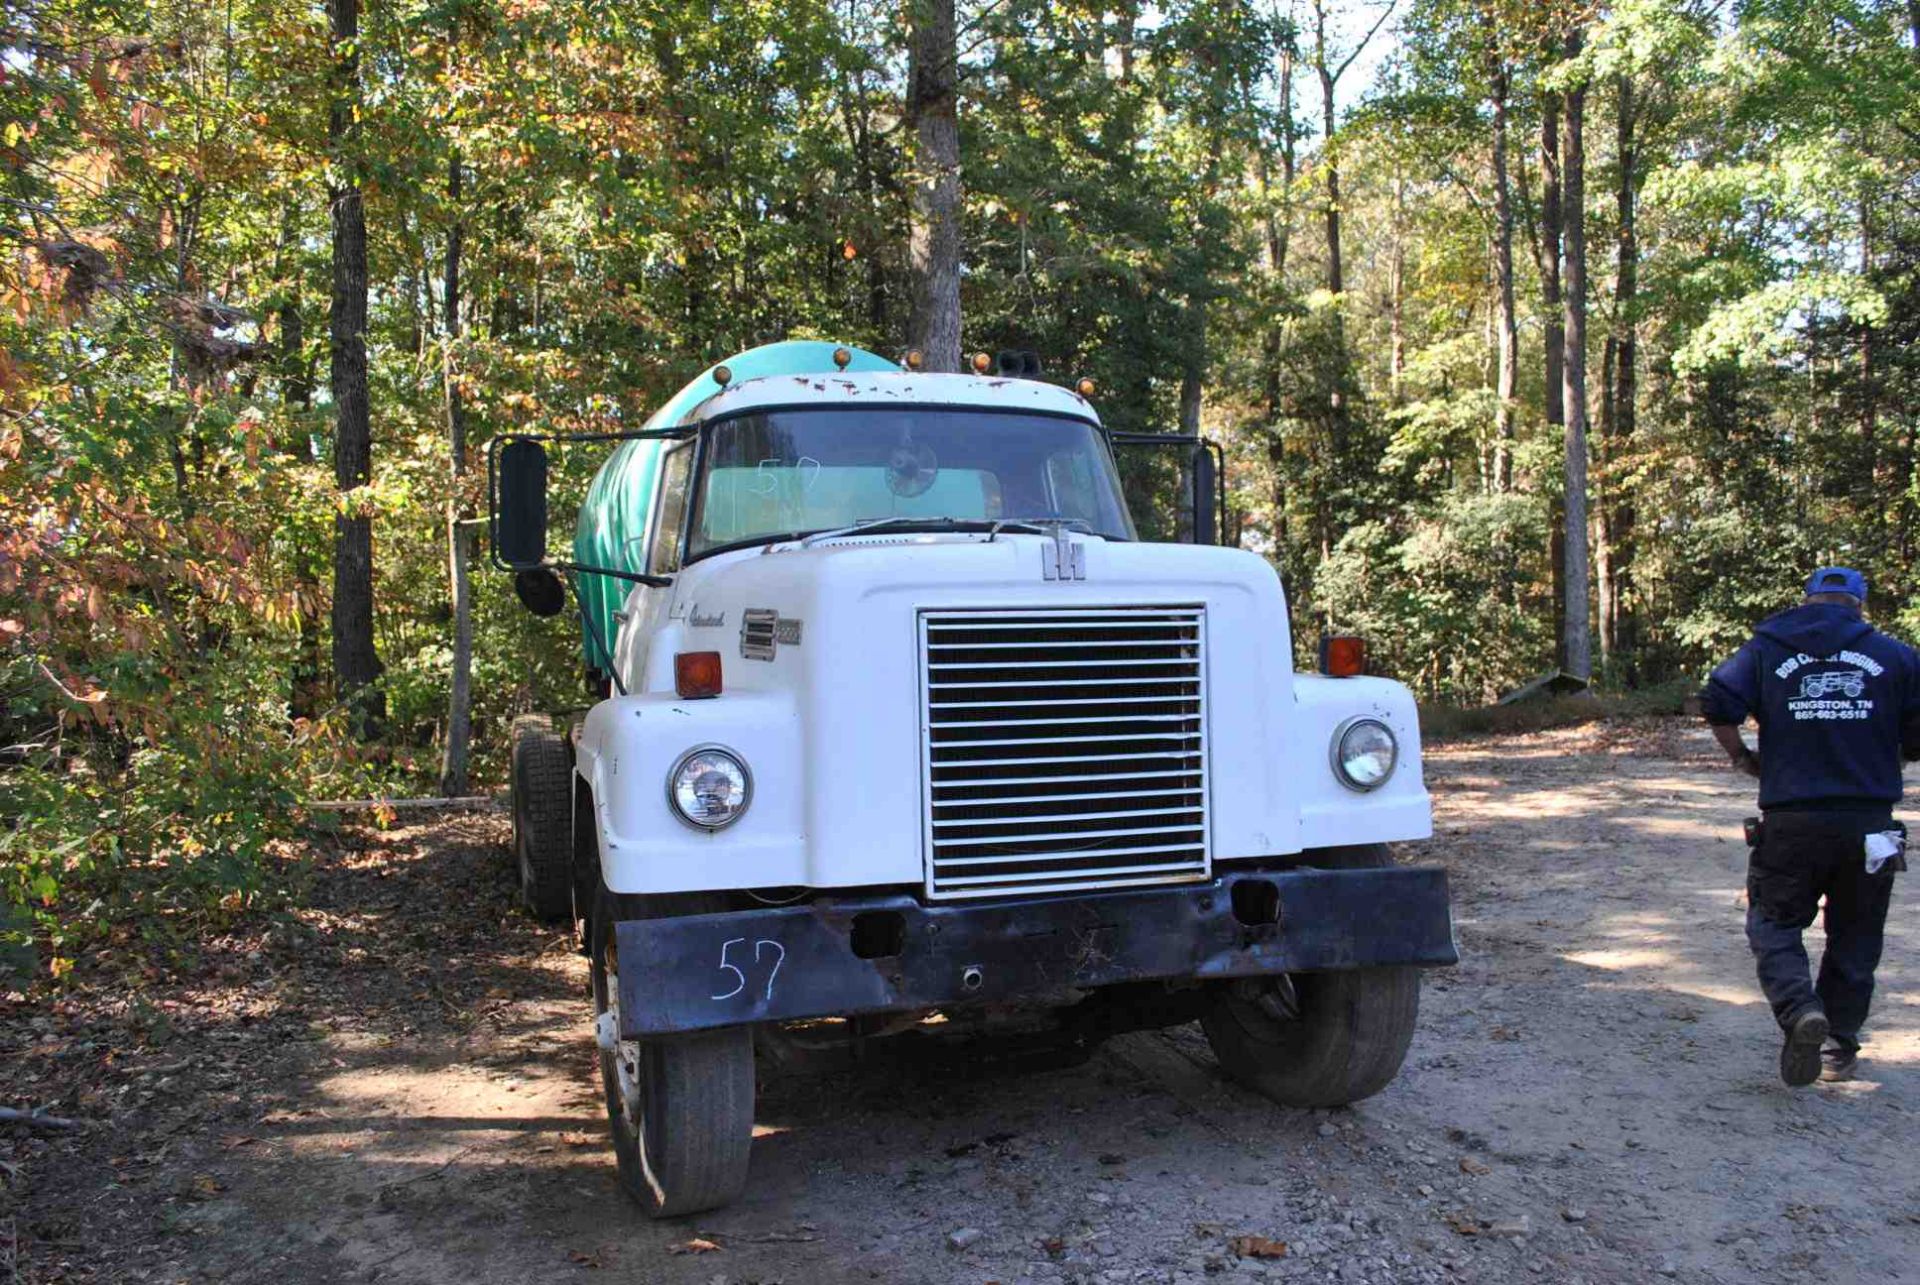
[1838,580]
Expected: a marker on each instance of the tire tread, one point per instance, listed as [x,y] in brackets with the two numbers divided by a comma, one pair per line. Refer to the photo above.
[543,806]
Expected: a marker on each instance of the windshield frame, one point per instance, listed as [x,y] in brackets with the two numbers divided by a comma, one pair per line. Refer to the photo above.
[702,448]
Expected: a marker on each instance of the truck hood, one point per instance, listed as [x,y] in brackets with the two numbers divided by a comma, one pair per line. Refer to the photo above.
[825,658]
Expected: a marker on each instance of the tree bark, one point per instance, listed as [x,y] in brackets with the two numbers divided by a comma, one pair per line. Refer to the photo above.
[1578,640]
[1619,628]
[307,681]
[1506,383]
[933,242]
[356,666]
[1329,80]
[453,763]
[1548,254]
[1397,294]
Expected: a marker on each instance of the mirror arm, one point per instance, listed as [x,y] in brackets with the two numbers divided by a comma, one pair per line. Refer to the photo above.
[632,577]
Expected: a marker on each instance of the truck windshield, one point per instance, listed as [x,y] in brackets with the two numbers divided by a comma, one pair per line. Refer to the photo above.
[776,474]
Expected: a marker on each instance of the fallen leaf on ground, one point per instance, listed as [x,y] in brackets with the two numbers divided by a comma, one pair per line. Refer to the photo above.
[233,1140]
[1469,1165]
[698,1245]
[1465,1224]
[1257,1247]
[583,1260]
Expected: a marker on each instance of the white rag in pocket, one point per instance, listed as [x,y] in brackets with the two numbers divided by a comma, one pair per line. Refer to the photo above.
[1883,847]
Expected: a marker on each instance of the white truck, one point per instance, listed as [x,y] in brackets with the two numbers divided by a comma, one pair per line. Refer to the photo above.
[898,718]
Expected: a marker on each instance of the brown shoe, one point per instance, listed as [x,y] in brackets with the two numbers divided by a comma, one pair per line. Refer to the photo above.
[1800,1053]
[1837,1062]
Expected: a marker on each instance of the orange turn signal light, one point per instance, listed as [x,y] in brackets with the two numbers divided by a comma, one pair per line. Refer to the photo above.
[696,674]
[1343,655]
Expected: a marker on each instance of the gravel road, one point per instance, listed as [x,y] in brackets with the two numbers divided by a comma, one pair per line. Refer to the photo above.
[1592,1097]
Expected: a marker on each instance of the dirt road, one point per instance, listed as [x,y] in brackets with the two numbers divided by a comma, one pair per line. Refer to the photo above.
[410,1095]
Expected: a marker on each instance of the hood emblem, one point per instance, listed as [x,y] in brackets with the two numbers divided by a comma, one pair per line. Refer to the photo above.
[1061,558]
[762,630]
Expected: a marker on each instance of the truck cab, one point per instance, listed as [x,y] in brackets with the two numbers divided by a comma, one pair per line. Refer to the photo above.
[900,717]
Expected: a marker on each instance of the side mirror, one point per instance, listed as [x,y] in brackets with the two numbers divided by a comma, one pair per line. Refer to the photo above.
[1206,482]
[541,591]
[520,524]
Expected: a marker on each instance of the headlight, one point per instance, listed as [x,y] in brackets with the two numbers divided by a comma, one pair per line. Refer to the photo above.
[709,787]
[1364,753]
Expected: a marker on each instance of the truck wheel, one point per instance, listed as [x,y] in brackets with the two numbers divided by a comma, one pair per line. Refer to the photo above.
[1318,1039]
[542,785]
[680,1107]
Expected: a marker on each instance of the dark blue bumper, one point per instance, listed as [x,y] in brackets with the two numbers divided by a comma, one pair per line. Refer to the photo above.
[845,956]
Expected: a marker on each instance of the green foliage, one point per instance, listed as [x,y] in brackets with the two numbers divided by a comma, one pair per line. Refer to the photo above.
[648,187]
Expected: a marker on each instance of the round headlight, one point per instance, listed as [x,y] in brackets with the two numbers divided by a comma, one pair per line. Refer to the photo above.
[709,787]
[1364,753]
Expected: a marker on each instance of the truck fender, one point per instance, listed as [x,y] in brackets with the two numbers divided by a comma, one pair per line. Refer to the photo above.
[628,747]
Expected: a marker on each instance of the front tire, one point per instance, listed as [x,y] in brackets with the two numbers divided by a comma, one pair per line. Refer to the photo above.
[680,1107]
[542,804]
[1318,1039]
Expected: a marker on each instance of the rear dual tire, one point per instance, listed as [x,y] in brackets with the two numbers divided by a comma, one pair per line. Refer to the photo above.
[541,782]
[1318,1039]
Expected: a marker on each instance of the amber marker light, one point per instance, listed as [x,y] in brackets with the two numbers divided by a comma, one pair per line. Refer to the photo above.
[722,375]
[1084,387]
[915,359]
[842,356]
[982,363]
[1343,655]
[696,675]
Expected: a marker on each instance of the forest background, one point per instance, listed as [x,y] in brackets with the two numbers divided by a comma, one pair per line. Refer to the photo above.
[1499,308]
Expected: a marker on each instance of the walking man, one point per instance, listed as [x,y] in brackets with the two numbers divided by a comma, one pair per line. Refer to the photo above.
[1838,706]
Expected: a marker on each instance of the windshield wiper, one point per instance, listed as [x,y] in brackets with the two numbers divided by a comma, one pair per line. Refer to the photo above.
[992,526]
[880,524]
[1038,526]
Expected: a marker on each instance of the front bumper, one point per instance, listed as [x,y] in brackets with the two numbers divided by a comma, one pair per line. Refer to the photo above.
[695,972]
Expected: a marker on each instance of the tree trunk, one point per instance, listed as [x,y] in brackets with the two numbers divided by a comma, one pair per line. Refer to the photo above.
[1869,403]
[296,393]
[453,764]
[1548,248]
[1279,234]
[1621,625]
[1397,294]
[356,666]
[933,242]
[1279,230]
[1336,276]
[1578,641]
[1191,387]
[1507,381]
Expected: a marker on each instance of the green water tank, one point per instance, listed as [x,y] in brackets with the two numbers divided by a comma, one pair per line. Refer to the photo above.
[616,520]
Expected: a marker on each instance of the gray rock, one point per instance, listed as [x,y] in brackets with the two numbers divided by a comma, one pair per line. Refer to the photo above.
[964,1238]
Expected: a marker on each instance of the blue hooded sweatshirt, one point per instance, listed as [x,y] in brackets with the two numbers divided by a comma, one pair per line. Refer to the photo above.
[1838,704]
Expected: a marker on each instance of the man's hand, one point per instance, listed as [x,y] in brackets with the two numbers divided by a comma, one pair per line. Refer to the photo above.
[1742,758]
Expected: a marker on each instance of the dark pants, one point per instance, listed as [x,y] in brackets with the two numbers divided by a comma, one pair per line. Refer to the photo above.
[1803,856]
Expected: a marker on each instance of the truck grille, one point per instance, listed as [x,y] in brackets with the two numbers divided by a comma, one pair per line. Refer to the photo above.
[1064,749]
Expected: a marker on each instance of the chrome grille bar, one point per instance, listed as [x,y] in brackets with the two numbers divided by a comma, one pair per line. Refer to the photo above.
[1064,748]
